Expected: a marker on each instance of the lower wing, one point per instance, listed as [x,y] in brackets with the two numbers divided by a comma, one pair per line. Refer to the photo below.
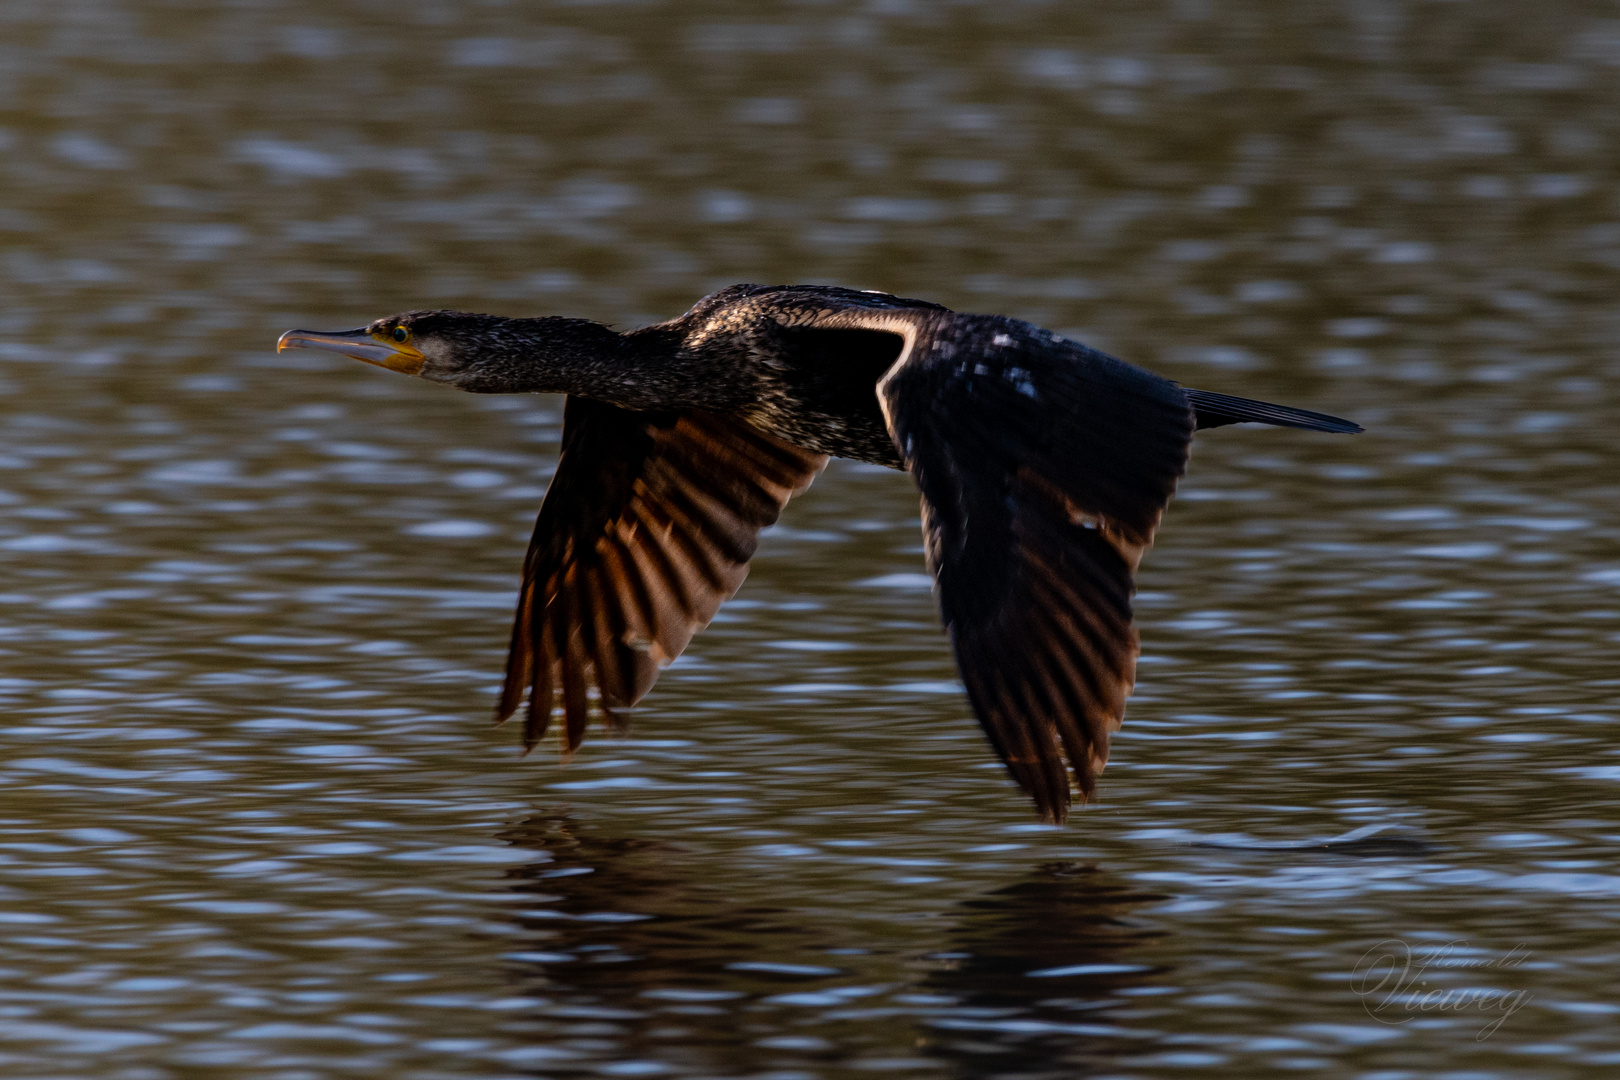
[646,530]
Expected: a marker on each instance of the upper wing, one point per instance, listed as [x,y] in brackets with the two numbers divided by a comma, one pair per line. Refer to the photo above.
[1044,467]
[646,530]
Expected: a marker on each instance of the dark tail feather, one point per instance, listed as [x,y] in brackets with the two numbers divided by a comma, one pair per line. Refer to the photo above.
[1214,410]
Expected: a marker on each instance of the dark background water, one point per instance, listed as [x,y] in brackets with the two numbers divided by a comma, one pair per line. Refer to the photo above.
[254,606]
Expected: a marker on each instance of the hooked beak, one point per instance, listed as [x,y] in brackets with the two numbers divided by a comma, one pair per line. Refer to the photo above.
[358,344]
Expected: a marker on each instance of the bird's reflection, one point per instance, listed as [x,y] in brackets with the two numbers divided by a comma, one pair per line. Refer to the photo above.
[632,953]
[1036,971]
[620,915]
[634,956]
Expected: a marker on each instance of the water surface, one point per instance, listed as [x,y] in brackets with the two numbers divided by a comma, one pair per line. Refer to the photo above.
[254,606]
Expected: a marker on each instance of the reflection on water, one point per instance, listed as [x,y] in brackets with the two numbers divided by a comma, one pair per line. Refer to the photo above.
[253,607]
[624,939]
[1039,972]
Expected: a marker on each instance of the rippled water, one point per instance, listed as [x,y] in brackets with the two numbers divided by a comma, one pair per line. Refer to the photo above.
[254,606]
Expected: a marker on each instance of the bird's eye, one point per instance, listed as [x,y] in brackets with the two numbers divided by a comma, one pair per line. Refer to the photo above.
[401,334]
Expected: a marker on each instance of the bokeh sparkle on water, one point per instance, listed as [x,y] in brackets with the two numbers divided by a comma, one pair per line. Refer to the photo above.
[254,608]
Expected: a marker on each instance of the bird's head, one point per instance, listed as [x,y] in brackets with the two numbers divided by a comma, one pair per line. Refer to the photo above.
[480,353]
[441,346]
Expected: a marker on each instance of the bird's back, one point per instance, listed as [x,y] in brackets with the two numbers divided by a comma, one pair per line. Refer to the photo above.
[811,385]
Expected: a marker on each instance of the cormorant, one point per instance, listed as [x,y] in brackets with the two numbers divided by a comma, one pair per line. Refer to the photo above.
[1044,467]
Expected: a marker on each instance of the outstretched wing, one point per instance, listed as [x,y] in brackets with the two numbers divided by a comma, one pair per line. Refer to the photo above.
[646,530]
[1044,467]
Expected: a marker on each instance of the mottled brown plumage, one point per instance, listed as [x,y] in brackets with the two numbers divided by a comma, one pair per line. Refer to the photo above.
[1044,468]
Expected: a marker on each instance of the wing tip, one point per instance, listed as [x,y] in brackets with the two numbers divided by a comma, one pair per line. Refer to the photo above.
[1080,794]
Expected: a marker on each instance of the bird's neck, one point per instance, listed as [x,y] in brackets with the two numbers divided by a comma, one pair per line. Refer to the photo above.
[644,370]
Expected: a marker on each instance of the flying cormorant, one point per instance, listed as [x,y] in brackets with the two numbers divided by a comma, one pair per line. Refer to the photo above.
[1044,467]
